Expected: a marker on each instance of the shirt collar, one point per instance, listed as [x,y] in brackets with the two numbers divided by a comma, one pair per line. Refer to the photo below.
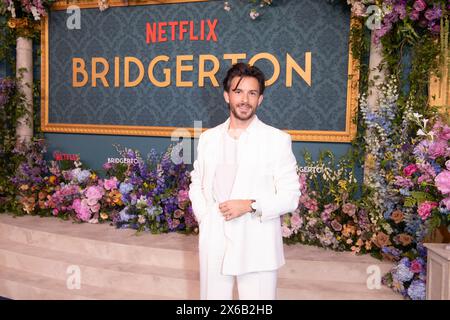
[251,127]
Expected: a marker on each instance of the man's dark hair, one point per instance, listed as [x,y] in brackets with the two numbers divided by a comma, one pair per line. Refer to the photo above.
[244,70]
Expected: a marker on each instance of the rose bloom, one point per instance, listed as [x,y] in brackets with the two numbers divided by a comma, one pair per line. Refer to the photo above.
[349,209]
[409,170]
[110,184]
[404,239]
[425,209]
[442,181]
[397,216]
[382,240]
[416,266]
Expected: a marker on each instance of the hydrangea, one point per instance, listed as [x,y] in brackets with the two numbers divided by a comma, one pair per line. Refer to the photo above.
[402,273]
[417,290]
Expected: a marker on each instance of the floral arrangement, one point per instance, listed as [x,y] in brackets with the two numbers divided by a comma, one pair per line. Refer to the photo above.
[408,276]
[425,181]
[146,195]
[413,15]
[154,193]
[32,9]
[328,214]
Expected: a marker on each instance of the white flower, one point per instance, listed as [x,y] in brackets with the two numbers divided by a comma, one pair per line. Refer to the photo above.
[254,14]
[35,13]
[12,9]
[226,6]
[417,115]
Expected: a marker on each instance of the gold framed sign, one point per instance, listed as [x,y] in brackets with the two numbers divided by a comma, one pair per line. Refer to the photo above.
[144,70]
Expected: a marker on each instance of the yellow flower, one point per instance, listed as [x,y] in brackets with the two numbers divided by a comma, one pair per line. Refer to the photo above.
[24,187]
[93,176]
[104,215]
[342,184]
[52,179]
[370,161]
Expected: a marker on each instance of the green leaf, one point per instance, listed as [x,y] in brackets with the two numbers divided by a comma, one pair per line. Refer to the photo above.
[410,202]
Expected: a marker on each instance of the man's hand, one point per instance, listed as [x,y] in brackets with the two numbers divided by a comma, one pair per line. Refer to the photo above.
[232,209]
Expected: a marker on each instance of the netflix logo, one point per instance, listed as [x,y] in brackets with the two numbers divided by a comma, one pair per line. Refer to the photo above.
[203,30]
[58,156]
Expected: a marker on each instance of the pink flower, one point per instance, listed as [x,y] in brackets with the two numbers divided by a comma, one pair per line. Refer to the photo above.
[91,201]
[183,195]
[427,168]
[110,184]
[424,178]
[336,225]
[55,212]
[296,221]
[445,133]
[403,182]
[410,169]
[349,209]
[447,164]
[95,208]
[94,192]
[420,5]
[442,181]
[416,266]
[303,184]
[425,209]
[286,231]
[82,209]
[437,149]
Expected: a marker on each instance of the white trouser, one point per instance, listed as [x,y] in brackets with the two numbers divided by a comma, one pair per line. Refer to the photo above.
[216,286]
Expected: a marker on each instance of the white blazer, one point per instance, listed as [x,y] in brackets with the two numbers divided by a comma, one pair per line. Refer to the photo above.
[267,172]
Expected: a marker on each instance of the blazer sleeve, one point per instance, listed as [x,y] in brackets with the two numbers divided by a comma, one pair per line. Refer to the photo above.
[199,205]
[287,184]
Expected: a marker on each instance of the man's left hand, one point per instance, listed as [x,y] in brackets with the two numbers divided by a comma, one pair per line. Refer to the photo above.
[232,209]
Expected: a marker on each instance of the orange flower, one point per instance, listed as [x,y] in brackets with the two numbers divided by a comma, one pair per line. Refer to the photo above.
[52,179]
[397,216]
[382,240]
[42,195]
[404,239]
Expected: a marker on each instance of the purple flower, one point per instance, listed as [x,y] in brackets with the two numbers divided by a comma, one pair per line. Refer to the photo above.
[417,290]
[414,15]
[433,14]
[403,182]
[400,9]
[435,28]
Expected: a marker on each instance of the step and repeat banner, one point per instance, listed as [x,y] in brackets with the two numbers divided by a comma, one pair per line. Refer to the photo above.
[146,69]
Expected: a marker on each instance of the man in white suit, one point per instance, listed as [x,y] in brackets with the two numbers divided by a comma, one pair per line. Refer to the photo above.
[244,178]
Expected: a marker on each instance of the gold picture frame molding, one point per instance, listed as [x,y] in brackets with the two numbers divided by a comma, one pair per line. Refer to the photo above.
[297,135]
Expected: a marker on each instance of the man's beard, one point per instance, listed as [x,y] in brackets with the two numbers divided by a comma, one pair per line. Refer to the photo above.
[236,114]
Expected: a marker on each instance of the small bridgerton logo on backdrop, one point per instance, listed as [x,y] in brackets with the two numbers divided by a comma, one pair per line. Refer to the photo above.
[123,160]
[311,169]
